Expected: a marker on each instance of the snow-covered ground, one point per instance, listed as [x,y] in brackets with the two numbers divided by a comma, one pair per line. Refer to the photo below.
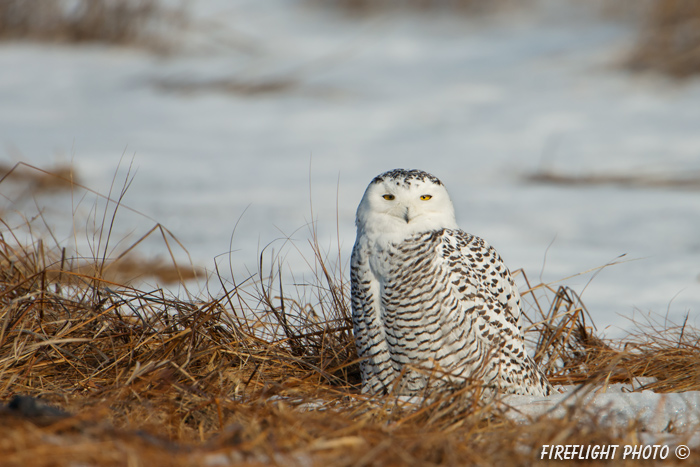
[481,103]
[668,419]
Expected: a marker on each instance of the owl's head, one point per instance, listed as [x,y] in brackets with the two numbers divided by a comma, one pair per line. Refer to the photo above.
[400,203]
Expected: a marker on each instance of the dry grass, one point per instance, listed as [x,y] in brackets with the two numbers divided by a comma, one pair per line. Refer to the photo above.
[117,22]
[257,376]
[365,7]
[688,181]
[571,353]
[230,85]
[670,42]
[33,181]
[24,183]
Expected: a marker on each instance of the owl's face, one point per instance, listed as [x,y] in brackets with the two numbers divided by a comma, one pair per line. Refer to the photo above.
[401,203]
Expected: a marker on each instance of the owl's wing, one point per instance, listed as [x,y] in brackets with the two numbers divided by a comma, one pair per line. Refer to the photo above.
[488,272]
[370,334]
[490,308]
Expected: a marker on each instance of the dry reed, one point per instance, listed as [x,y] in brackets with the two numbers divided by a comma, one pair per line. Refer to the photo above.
[364,7]
[687,181]
[117,22]
[670,42]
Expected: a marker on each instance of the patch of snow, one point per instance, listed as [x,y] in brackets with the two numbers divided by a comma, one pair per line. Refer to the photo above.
[664,417]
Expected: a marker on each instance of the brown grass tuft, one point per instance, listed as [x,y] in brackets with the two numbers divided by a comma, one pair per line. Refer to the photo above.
[688,181]
[670,42]
[34,181]
[365,7]
[116,22]
[231,85]
[133,269]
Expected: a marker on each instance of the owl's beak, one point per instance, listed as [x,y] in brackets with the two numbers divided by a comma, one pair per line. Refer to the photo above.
[400,211]
[405,215]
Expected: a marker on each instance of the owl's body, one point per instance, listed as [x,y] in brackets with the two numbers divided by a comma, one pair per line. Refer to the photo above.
[432,305]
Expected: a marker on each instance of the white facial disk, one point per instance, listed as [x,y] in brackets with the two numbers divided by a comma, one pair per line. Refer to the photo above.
[401,203]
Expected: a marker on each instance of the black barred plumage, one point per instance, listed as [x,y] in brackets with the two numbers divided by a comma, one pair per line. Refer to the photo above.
[404,176]
[432,305]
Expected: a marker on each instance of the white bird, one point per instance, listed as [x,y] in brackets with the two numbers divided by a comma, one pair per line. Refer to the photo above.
[432,306]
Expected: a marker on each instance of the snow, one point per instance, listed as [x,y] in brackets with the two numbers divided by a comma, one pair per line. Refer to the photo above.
[667,418]
[481,103]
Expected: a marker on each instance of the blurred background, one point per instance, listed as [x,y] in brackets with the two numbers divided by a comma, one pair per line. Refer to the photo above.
[567,132]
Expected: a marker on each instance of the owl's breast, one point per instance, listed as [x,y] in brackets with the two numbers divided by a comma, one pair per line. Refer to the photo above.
[406,263]
[383,259]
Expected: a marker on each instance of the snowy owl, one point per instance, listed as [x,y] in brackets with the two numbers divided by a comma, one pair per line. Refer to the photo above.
[432,306]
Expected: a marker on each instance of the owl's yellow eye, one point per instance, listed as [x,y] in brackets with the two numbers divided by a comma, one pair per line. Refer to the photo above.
[388,197]
[426,197]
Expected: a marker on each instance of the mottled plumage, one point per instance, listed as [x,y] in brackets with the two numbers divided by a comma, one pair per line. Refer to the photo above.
[433,306]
